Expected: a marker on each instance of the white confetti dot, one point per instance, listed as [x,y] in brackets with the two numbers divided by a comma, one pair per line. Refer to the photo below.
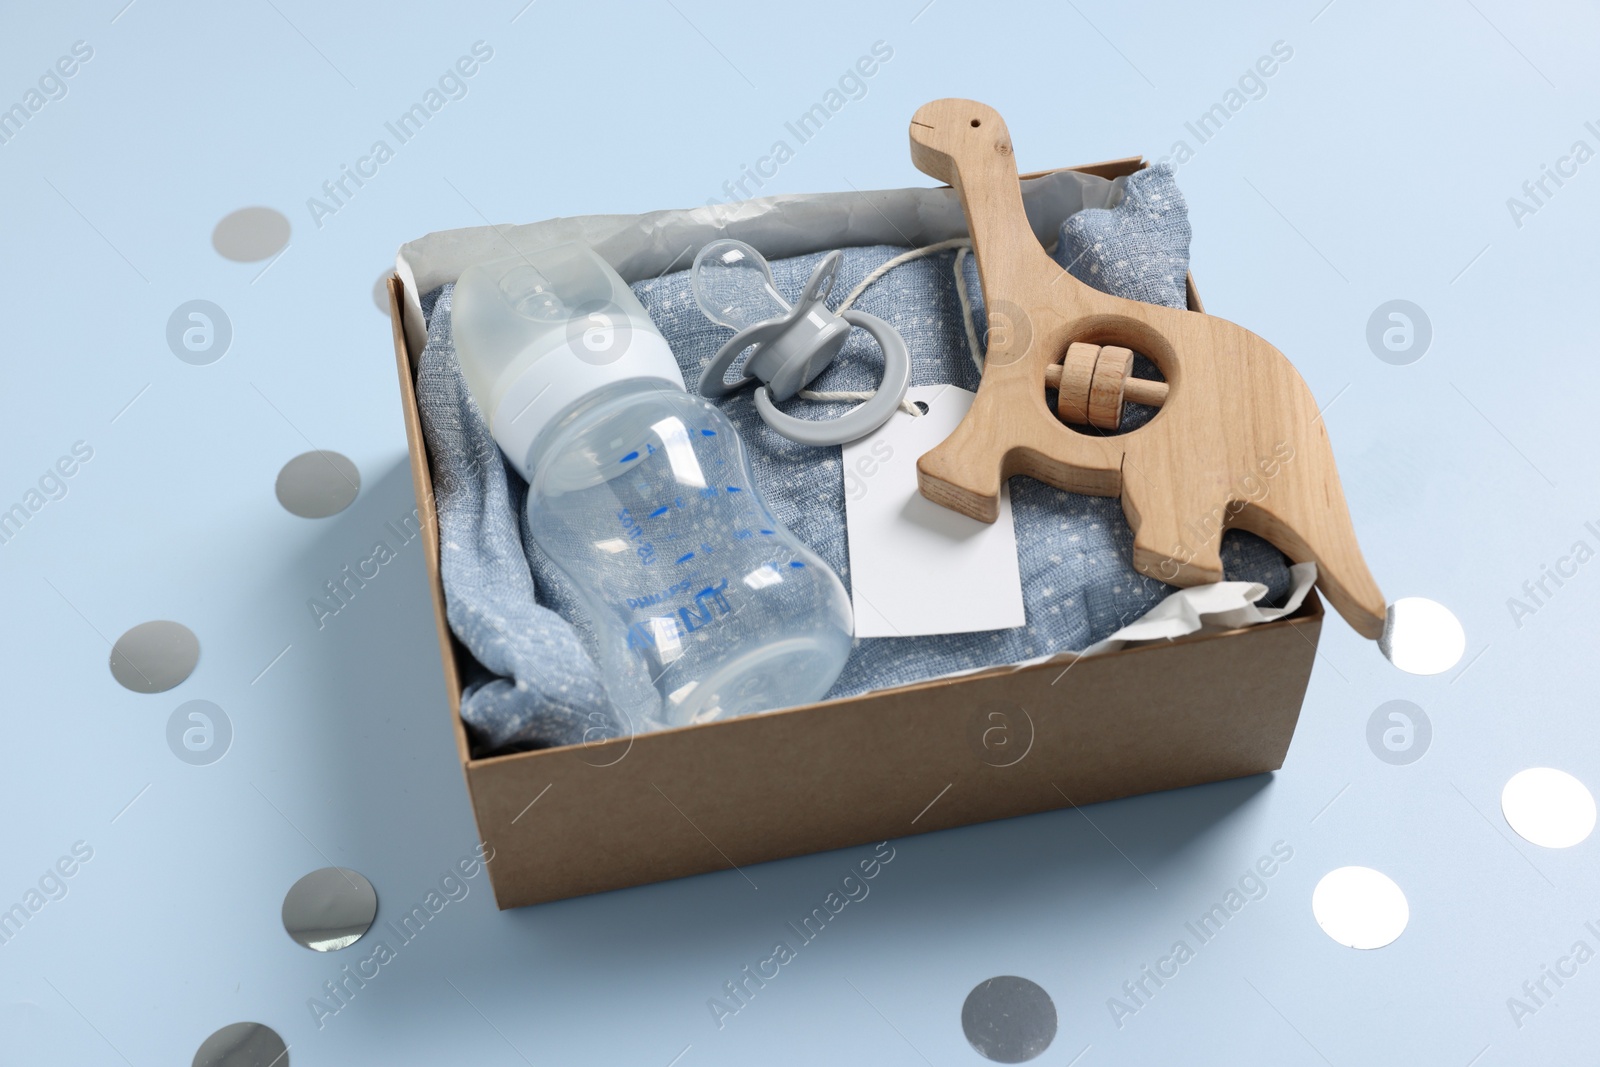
[1360,907]
[1551,808]
[1421,636]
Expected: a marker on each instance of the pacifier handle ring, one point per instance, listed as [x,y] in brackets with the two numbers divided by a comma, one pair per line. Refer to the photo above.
[866,416]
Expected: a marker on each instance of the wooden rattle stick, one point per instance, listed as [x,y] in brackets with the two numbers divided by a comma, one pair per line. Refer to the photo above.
[1238,442]
[1135,390]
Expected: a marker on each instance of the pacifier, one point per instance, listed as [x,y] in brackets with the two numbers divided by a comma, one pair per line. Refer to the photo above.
[732,283]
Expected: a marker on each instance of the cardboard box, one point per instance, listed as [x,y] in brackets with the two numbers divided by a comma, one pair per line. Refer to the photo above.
[586,818]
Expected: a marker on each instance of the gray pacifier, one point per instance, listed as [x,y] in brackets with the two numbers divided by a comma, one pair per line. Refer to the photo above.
[732,283]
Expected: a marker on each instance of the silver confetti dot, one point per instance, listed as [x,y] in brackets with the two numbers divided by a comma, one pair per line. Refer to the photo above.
[243,1045]
[251,234]
[1009,1019]
[154,656]
[329,909]
[315,485]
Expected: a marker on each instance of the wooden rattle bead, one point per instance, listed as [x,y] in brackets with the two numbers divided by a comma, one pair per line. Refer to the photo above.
[1093,382]
[1105,389]
[1074,380]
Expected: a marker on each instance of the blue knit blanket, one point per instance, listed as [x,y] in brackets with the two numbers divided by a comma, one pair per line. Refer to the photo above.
[535,683]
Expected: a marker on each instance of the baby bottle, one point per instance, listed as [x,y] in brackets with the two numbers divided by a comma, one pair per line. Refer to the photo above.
[703,606]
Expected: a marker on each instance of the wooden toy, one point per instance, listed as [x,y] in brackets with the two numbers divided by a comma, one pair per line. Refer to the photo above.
[1238,442]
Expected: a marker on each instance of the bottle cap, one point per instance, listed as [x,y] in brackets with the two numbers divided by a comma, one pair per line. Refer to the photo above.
[539,331]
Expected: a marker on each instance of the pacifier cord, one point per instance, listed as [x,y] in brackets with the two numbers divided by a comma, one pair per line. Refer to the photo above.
[964,247]
[966,306]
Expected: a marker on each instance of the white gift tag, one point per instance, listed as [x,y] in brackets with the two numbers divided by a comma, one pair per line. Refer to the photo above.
[917,568]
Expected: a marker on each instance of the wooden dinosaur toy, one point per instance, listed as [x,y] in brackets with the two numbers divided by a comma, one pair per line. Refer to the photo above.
[1238,441]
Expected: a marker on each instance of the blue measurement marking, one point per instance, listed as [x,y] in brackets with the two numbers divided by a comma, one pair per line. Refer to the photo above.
[629,458]
[734,489]
[686,557]
[708,433]
[767,532]
[658,512]
[796,563]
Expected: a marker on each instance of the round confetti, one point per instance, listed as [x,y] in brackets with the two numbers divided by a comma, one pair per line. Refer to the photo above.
[251,234]
[315,485]
[1009,1019]
[1421,636]
[243,1045]
[1548,807]
[1360,907]
[330,908]
[154,656]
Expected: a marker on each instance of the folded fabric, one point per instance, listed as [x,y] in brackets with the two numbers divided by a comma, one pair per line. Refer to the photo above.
[532,682]
[521,620]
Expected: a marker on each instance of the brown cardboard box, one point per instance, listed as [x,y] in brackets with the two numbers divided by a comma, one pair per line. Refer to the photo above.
[586,818]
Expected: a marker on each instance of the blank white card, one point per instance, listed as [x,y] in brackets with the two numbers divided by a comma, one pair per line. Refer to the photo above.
[917,568]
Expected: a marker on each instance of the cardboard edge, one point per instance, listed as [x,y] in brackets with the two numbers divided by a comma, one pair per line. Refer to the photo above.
[1108,169]
[1298,658]
[1310,615]
[422,483]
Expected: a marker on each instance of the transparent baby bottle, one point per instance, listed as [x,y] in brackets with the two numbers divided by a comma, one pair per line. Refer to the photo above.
[702,604]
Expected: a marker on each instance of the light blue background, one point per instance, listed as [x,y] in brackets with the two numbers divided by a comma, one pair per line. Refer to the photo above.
[1377,166]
